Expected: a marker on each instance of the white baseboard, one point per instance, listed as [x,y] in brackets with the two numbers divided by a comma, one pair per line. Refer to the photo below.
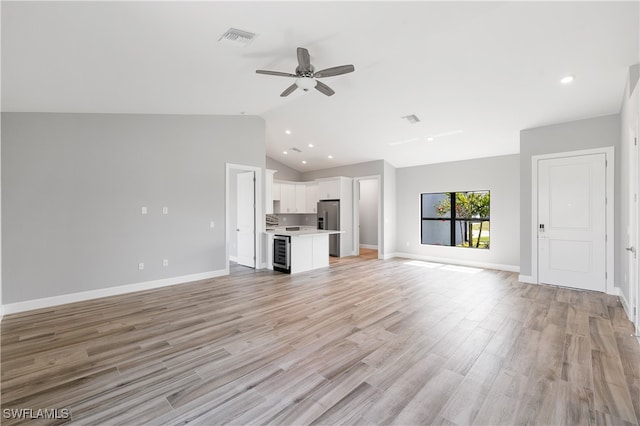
[526,279]
[233,258]
[388,256]
[369,246]
[625,304]
[12,308]
[485,265]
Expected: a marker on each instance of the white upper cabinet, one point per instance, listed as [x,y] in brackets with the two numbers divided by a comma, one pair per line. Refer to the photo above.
[276,191]
[269,187]
[301,198]
[334,188]
[287,198]
[312,198]
[329,189]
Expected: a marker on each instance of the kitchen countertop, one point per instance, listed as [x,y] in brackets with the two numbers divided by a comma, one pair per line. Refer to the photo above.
[302,233]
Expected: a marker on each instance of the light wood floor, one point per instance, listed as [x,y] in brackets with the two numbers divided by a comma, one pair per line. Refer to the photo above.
[365,341]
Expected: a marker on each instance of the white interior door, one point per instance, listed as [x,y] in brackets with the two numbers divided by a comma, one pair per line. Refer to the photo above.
[632,232]
[572,221]
[246,219]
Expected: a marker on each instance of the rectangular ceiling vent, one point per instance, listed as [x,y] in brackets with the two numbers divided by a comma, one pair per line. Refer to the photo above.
[295,150]
[413,119]
[236,36]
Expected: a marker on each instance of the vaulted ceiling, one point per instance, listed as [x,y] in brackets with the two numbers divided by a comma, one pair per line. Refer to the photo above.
[475,73]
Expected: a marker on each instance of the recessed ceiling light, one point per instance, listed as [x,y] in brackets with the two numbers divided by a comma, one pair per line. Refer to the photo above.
[288,131]
[304,162]
[285,152]
[568,79]
[310,145]
[329,157]
[429,138]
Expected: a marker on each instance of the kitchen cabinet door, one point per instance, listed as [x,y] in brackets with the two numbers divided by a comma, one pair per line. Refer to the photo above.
[312,198]
[268,185]
[276,191]
[301,198]
[287,198]
[329,189]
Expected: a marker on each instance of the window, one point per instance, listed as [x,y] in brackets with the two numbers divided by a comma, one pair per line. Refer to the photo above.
[459,219]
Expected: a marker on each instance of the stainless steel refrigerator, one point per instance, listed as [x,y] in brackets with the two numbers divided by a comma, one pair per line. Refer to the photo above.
[329,219]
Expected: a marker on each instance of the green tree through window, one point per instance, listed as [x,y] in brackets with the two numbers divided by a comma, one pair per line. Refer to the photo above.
[456,219]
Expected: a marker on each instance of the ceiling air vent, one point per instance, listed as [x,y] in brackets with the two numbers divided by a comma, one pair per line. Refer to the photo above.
[412,119]
[236,36]
[295,150]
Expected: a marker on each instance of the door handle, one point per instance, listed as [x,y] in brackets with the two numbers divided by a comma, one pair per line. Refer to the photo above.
[238,229]
[632,249]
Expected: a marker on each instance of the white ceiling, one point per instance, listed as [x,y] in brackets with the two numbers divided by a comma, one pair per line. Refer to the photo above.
[484,69]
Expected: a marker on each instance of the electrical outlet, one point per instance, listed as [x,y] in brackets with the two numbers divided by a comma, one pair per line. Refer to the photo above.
[140,266]
[165,210]
[212,224]
[165,262]
[143,210]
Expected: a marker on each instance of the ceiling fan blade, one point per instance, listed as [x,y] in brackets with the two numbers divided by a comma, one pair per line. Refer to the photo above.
[289,90]
[330,72]
[304,61]
[323,88]
[278,73]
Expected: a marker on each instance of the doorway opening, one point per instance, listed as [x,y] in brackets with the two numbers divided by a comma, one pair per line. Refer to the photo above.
[243,205]
[367,207]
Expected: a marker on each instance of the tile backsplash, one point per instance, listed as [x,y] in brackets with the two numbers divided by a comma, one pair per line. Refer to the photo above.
[296,219]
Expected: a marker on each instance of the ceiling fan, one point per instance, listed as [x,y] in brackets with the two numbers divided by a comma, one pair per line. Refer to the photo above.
[306,75]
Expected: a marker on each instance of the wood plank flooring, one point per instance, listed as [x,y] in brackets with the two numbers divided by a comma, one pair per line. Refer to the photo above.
[365,341]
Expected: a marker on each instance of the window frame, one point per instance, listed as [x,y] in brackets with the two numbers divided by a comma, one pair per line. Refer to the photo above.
[453,219]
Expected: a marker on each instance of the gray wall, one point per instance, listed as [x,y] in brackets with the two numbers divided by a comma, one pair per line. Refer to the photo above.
[573,136]
[73,186]
[500,175]
[283,172]
[368,208]
[390,207]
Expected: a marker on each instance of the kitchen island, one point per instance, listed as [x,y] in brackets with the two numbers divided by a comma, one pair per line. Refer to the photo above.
[308,248]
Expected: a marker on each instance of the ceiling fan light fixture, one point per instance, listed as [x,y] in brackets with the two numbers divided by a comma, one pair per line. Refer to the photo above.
[306,83]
